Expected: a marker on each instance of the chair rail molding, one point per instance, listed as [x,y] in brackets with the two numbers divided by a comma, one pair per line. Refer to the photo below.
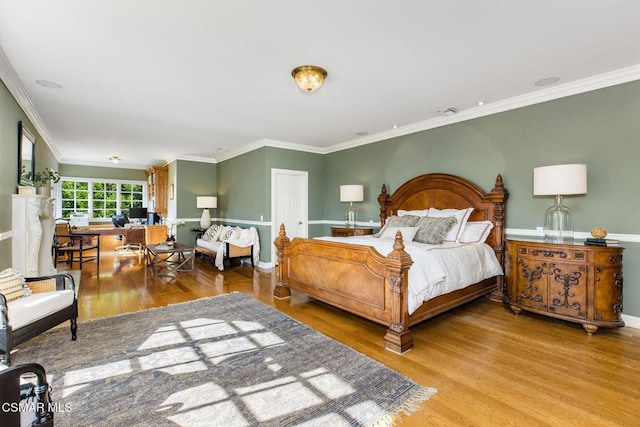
[32,225]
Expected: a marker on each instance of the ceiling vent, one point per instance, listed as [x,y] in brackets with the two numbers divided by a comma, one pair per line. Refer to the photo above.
[448,111]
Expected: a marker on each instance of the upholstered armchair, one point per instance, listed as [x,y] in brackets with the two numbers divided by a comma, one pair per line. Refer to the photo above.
[32,305]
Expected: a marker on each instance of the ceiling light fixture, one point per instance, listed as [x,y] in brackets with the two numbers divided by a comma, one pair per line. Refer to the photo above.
[114,159]
[309,77]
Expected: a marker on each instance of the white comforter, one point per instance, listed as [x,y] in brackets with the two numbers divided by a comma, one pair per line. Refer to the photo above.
[437,269]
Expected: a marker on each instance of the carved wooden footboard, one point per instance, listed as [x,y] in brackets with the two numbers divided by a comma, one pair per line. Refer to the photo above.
[354,278]
[362,281]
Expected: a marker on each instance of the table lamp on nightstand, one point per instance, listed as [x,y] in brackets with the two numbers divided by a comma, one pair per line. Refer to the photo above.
[205,203]
[558,181]
[351,193]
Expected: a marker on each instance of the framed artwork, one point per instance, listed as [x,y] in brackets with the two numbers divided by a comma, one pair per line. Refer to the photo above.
[26,155]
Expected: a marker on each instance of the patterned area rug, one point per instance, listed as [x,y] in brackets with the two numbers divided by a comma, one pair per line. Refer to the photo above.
[226,361]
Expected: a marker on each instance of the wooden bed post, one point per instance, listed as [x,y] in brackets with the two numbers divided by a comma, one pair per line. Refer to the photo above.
[498,197]
[281,290]
[383,199]
[398,337]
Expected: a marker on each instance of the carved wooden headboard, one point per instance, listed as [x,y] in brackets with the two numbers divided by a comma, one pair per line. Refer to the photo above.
[444,191]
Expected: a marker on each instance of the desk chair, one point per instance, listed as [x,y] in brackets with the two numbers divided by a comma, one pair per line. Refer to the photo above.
[133,238]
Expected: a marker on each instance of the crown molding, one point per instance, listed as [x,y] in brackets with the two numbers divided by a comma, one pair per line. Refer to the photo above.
[588,84]
[17,90]
[105,164]
[266,142]
[192,159]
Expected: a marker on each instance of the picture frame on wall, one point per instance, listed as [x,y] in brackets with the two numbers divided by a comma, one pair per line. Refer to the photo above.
[26,156]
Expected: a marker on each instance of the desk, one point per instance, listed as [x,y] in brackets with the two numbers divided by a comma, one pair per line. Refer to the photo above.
[166,260]
[105,231]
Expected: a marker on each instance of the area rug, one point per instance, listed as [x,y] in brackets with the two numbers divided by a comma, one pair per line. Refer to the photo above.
[225,361]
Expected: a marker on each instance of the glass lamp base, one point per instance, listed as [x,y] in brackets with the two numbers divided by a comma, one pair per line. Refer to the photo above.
[558,226]
[350,217]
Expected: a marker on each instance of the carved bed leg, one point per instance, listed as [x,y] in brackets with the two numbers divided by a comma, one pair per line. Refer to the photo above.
[281,290]
[398,337]
[590,328]
[398,340]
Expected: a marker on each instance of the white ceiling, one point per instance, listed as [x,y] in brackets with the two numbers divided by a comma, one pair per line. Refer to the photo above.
[157,80]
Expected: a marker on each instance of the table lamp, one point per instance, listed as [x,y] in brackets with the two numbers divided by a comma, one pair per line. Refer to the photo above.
[351,193]
[205,203]
[558,181]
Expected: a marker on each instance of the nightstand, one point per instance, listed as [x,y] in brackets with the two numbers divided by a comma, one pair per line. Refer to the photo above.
[348,232]
[577,283]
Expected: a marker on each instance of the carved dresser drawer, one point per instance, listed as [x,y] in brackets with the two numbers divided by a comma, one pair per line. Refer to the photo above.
[577,283]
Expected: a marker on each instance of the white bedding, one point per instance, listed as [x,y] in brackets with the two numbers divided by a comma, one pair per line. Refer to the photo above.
[436,269]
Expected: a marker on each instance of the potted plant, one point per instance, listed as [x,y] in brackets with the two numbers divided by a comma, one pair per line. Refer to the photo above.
[44,179]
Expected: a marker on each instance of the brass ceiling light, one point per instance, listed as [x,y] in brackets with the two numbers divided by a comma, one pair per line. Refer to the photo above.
[309,77]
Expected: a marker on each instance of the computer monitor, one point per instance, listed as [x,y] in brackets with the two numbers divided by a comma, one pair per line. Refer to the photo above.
[138,213]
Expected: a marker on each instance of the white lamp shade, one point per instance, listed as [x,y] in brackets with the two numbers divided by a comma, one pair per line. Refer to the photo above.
[351,193]
[560,180]
[206,202]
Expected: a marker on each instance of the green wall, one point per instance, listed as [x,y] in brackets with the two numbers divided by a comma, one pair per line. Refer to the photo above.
[244,189]
[599,128]
[10,115]
[191,179]
[79,171]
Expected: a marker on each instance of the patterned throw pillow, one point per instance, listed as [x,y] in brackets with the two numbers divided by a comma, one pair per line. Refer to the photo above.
[12,285]
[462,215]
[398,221]
[433,230]
[227,232]
[212,233]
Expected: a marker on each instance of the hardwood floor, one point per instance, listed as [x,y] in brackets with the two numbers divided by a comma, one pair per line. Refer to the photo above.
[491,368]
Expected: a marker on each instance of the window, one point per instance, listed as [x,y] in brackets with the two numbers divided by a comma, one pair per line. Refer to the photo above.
[101,199]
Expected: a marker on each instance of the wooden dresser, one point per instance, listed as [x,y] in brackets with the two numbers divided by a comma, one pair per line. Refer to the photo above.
[347,232]
[577,283]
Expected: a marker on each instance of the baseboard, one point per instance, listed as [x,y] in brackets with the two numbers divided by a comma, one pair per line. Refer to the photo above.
[631,321]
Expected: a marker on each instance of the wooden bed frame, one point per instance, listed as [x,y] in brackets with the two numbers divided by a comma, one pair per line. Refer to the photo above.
[360,280]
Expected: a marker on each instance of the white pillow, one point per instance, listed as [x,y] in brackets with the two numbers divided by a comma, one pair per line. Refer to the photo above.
[462,215]
[407,233]
[476,232]
[419,212]
[244,233]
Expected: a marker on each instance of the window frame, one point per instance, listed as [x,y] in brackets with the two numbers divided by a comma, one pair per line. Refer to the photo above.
[57,194]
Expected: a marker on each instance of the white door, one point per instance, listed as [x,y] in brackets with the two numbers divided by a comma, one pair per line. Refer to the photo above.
[289,204]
